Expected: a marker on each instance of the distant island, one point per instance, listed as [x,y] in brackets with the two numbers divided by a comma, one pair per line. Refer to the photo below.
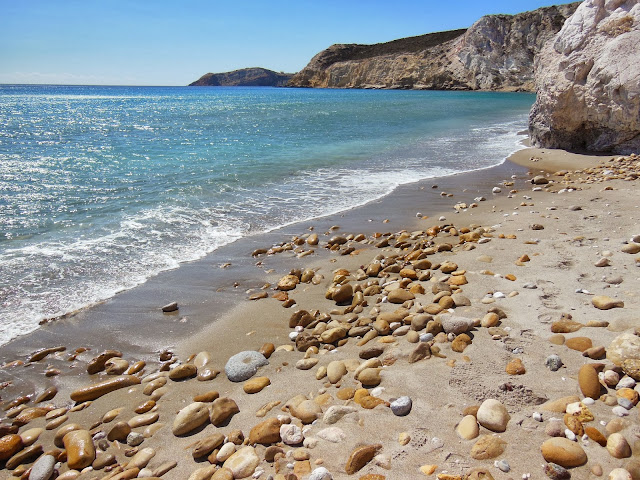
[245,77]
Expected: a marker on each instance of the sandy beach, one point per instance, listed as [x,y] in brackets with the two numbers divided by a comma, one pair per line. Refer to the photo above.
[447,331]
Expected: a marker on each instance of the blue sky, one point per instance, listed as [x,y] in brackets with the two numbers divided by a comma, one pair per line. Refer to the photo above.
[171,42]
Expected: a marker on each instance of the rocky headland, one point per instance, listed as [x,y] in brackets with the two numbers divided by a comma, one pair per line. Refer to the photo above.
[588,81]
[495,53]
[245,77]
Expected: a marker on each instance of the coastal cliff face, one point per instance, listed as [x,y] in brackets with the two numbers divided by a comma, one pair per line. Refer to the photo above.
[496,53]
[588,81]
[245,77]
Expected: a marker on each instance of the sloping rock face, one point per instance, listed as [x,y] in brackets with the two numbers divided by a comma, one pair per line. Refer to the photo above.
[588,81]
[245,77]
[496,53]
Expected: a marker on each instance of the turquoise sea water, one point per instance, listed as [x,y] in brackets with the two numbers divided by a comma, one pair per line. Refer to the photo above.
[103,187]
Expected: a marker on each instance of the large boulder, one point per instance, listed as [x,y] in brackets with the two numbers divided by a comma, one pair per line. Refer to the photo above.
[588,81]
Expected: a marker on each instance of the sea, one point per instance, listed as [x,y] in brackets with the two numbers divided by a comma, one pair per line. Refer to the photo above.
[102,188]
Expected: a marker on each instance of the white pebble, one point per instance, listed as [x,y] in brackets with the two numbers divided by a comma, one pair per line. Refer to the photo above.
[588,401]
[499,295]
[537,416]
[569,434]
[293,336]
[502,465]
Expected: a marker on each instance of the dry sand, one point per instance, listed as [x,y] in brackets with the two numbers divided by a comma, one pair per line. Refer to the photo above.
[585,217]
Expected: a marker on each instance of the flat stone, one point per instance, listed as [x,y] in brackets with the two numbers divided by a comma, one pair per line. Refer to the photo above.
[332,434]
[468,428]
[493,415]
[265,432]
[181,372]
[566,326]
[579,343]
[399,296]
[488,446]
[256,384]
[422,351]
[564,452]
[242,463]
[306,411]
[190,417]
[222,409]
[360,456]
[603,302]
[242,366]
[589,382]
[336,370]
[335,412]
[42,469]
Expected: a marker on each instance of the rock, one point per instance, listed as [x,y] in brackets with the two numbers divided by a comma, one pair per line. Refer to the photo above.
[631,248]
[556,472]
[579,343]
[493,415]
[320,473]
[624,346]
[335,412]
[343,294]
[603,302]
[371,352]
[332,335]
[306,363]
[617,446]
[360,456]
[589,382]
[422,350]
[595,435]
[306,411]
[564,452]
[134,438]
[291,434]
[80,449]
[119,432]
[576,106]
[222,409]
[10,445]
[553,362]
[336,370]
[488,446]
[515,367]
[401,406]
[102,388]
[265,432]
[207,445]
[288,282]
[182,372]
[102,460]
[631,367]
[332,434]
[242,463]
[225,452]
[456,325]
[490,320]
[242,366]
[25,455]
[190,417]
[170,307]
[42,469]
[400,296]
[468,428]
[142,458]
[539,180]
[460,343]
[620,474]
[370,377]
[256,384]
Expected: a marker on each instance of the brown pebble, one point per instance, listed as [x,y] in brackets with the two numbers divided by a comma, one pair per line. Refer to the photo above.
[515,367]
[207,397]
[360,457]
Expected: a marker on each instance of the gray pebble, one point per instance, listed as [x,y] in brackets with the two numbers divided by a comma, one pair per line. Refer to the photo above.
[503,465]
[401,406]
[43,468]
[625,403]
[134,439]
[554,362]
[530,286]
[626,382]
[620,411]
[426,337]
[244,365]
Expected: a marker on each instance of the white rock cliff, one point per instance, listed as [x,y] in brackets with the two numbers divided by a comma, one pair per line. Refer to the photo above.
[588,81]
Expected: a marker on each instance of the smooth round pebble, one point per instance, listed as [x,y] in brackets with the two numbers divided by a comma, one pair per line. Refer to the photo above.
[401,406]
[503,465]
[43,468]
[320,473]
[244,365]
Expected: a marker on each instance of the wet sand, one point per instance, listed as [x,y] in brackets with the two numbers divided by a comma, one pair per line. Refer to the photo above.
[557,282]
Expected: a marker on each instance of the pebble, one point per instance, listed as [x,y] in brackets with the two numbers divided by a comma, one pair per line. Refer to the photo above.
[336,370]
[468,428]
[190,417]
[256,385]
[222,409]
[515,367]
[556,472]
[401,406]
[603,302]
[242,366]
[619,474]
[553,362]
[306,411]
[493,415]
[242,463]
[335,412]
[488,446]
[617,446]
[360,456]
[80,449]
[332,434]
[563,452]
[291,434]
[134,439]
[225,452]
[42,469]
[503,465]
[9,445]
[320,473]
[620,411]
[589,382]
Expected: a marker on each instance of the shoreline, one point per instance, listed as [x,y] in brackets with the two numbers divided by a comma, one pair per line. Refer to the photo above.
[458,379]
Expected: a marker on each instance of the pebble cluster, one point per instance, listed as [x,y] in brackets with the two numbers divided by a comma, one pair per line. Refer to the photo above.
[401,308]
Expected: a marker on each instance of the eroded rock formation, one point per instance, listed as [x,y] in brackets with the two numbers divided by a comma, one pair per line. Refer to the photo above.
[496,53]
[588,81]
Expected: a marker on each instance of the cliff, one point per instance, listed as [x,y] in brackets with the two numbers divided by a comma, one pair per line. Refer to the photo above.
[588,81]
[496,53]
[245,77]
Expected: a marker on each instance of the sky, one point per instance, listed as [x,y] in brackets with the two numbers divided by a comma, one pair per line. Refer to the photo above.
[172,42]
